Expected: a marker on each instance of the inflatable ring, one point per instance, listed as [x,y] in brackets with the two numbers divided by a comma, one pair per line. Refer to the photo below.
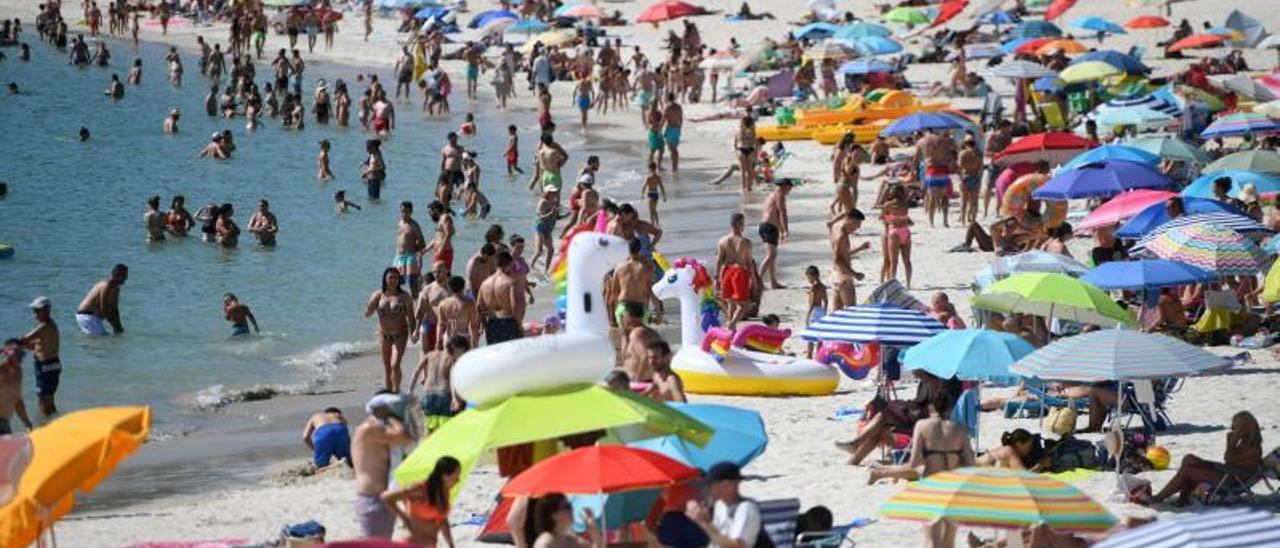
[6,251]
[1018,196]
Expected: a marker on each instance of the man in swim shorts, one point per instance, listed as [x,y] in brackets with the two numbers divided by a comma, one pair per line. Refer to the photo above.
[239,315]
[102,304]
[736,269]
[371,456]
[44,341]
[673,118]
[653,120]
[843,276]
[327,437]
[451,160]
[409,247]
[501,303]
[631,283]
[551,158]
[439,402]
[938,154]
[774,228]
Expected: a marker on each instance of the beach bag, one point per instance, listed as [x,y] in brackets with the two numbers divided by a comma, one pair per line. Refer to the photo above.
[1062,420]
[1070,453]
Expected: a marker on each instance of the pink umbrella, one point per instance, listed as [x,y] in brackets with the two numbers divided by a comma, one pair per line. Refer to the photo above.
[584,11]
[1121,207]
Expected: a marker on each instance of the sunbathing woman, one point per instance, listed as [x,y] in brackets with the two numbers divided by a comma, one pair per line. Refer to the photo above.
[883,417]
[1241,459]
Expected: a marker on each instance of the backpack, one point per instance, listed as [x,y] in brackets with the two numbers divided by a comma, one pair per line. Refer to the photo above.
[1070,453]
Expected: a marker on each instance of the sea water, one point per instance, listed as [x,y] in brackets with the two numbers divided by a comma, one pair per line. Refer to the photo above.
[75,208]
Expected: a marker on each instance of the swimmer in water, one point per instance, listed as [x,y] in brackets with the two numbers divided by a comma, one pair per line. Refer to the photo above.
[84,134]
[215,149]
[341,204]
[171,122]
[239,315]
[323,172]
[264,225]
[115,90]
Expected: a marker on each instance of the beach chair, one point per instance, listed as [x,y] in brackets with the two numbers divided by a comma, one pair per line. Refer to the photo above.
[1036,408]
[1146,400]
[837,537]
[1239,485]
[778,520]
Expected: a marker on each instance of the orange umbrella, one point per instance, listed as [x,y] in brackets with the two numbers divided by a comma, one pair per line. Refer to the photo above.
[1067,46]
[1198,41]
[1030,46]
[667,10]
[1058,7]
[1147,22]
[948,10]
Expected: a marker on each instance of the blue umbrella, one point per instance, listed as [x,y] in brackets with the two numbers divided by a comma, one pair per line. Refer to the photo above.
[1106,178]
[1155,215]
[920,121]
[815,31]
[864,66]
[1111,152]
[969,355]
[1035,29]
[614,509]
[1148,274]
[528,26]
[483,18]
[861,29]
[1202,187]
[433,12]
[1097,24]
[884,323]
[1114,58]
[738,437]
[998,18]
[875,45]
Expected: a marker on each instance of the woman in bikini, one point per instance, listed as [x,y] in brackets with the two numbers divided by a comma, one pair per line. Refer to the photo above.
[394,306]
[897,228]
[424,508]
[745,142]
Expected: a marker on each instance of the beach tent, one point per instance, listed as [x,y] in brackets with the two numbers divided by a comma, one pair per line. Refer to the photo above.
[1251,30]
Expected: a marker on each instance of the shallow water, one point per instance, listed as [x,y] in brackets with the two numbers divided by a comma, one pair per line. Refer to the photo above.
[74,209]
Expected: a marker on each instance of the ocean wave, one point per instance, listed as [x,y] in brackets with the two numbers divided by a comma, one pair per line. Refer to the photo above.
[327,357]
[320,362]
[219,396]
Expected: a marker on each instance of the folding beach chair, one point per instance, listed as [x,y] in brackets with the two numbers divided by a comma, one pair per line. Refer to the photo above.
[778,520]
[1036,408]
[1239,485]
[1145,400]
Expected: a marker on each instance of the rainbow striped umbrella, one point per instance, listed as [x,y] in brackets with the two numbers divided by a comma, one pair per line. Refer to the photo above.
[1244,123]
[1115,355]
[1209,246]
[998,498]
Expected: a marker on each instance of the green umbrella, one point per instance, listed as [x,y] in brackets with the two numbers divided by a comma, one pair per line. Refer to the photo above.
[1088,71]
[1172,148]
[546,415]
[1265,161]
[1052,296]
[906,16]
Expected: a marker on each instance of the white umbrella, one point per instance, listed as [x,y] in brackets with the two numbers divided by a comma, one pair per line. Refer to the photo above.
[1242,85]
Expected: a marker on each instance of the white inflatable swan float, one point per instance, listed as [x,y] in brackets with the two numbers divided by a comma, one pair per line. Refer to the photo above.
[741,372]
[582,354]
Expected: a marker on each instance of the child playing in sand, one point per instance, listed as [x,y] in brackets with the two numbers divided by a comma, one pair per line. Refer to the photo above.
[239,315]
[513,152]
[652,190]
[817,299]
[340,202]
[323,172]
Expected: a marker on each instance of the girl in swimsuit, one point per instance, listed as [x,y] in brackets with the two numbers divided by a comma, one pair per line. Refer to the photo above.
[425,509]
[745,142]
[178,221]
[897,240]
[395,325]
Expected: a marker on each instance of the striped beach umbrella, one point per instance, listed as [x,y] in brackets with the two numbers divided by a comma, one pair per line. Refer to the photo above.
[1019,69]
[983,50]
[1208,246]
[1052,296]
[883,323]
[1224,527]
[1154,215]
[1243,123]
[1115,355]
[1036,261]
[1242,224]
[998,498]
[1172,148]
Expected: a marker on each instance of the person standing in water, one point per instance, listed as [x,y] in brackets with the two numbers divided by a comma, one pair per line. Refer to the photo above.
[11,388]
[410,244]
[323,173]
[673,120]
[153,219]
[171,121]
[43,341]
[178,221]
[263,224]
[375,170]
[102,303]
[239,315]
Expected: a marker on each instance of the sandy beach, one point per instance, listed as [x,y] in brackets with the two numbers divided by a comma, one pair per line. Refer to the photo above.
[205,486]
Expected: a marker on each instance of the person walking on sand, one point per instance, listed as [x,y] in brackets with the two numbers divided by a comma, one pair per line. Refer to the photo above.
[673,122]
[425,510]
[44,341]
[735,269]
[745,143]
[774,229]
[501,303]
[652,190]
[937,152]
[457,314]
[843,276]
[583,95]
[371,457]
[102,303]
[394,307]
[239,315]
[11,388]
[439,401]
[895,214]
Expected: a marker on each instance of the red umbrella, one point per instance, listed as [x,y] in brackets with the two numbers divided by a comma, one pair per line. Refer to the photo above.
[1058,7]
[1147,22]
[1055,147]
[1030,46]
[667,10]
[600,469]
[948,10]
[1198,41]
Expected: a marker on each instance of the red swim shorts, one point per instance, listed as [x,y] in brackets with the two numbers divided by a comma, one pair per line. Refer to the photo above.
[735,283]
[445,255]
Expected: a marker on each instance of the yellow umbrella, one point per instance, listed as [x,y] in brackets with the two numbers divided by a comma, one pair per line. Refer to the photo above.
[551,38]
[1066,45]
[73,453]
[1271,285]
[1088,71]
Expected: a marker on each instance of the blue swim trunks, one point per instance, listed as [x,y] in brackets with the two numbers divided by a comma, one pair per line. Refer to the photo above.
[655,141]
[331,441]
[672,136]
[239,329]
[971,182]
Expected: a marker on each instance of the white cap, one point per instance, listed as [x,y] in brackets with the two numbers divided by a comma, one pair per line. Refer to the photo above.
[41,302]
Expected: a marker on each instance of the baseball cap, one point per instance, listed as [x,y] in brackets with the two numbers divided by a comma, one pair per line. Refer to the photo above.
[724,471]
[41,302]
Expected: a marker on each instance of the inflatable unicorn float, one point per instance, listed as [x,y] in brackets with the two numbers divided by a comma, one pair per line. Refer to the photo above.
[712,360]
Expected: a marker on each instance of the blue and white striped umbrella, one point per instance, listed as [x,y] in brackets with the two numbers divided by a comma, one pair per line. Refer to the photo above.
[884,323]
[1115,355]
[1243,224]
[1233,527]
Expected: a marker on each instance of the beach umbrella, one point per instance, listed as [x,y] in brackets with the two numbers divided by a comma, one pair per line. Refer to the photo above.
[556,38]
[918,122]
[998,498]
[1196,41]
[599,469]
[545,415]
[1111,152]
[433,12]
[1172,148]
[1057,8]
[1115,355]
[1271,108]
[1122,207]
[968,355]
[1097,24]
[865,66]
[1142,117]
[1155,215]
[1271,82]
[484,18]
[830,49]
[1202,187]
[667,10]
[948,11]
[1220,527]
[739,436]
[1208,246]
[906,16]
[815,31]
[1265,161]
[983,50]
[1101,179]
[581,11]
[1147,22]
[884,323]
[1012,46]
[1242,224]
[1035,29]
[284,3]
[1036,261]
[1122,61]
[1019,70]
[1055,147]
[1229,33]
[1270,42]
[1146,275]
[1251,30]
[1242,123]
[1052,296]
[1088,71]
[875,45]
[528,26]
[997,18]
[1065,45]
[861,29]
[1243,85]
[72,454]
